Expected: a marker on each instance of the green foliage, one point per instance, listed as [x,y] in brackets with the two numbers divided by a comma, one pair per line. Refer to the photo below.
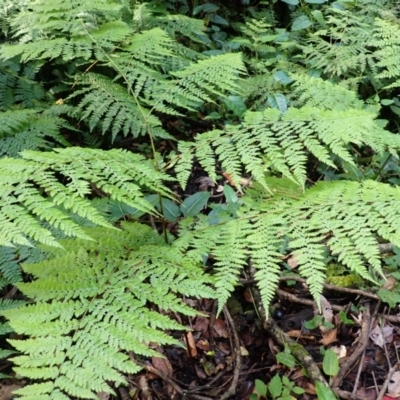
[32,193]
[99,292]
[292,101]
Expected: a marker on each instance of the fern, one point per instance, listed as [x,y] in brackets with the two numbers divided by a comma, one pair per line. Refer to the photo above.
[269,141]
[387,41]
[120,174]
[100,312]
[342,218]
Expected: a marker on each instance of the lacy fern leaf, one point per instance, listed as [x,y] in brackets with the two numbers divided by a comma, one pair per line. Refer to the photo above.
[31,190]
[91,307]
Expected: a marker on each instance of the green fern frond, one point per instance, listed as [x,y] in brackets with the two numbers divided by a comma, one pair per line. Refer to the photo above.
[269,141]
[31,190]
[29,130]
[345,219]
[386,39]
[109,105]
[99,310]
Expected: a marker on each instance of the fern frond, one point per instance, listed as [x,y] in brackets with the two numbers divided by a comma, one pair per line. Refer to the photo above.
[341,218]
[31,190]
[100,311]
[109,105]
[386,39]
[269,141]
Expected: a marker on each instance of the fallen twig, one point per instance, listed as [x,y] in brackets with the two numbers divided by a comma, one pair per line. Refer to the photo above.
[385,385]
[362,344]
[176,387]
[238,357]
[297,350]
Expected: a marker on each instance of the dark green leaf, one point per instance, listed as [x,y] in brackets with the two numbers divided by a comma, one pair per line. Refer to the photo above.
[216,19]
[278,101]
[330,364]
[170,210]
[230,194]
[300,23]
[194,204]
[282,78]
[206,8]
[235,104]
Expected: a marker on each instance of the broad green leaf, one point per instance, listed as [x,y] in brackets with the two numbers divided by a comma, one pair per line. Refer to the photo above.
[230,194]
[275,386]
[261,388]
[297,390]
[170,210]
[235,104]
[330,364]
[286,359]
[216,19]
[387,296]
[282,77]
[387,102]
[253,396]
[291,2]
[324,392]
[278,101]
[194,204]
[301,22]
[316,1]
[206,8]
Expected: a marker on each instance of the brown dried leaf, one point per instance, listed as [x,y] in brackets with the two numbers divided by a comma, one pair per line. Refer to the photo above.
[201,325]
[220,328]
[376,336]
[203,344]
[192,350]
[292,261]
[162,364]
[329,337]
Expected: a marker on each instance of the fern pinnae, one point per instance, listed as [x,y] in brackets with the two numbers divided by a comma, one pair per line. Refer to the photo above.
[108,288]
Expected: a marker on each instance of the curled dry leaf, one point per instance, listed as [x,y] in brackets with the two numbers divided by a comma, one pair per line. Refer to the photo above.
[394,385]
[376,336]
[192,350]
[329,337]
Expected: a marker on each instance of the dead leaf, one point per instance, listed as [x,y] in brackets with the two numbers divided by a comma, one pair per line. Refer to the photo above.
[299,334]
[387,332]
[376,336]
[162,364]
[200,372]
[329,337]
[340,351]
[103,396]
[327,313]
[203,344]
[366,394]
[389,284]
[6,391]
[220,328]
[243,351]
[292,261]
[192,350]
[201,325]
[394,385]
